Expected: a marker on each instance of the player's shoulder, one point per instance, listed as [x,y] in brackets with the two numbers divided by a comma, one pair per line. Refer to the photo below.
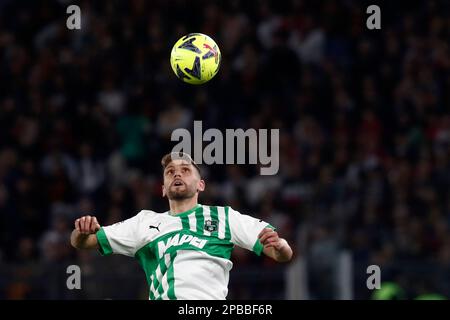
[219,208]
[147,213]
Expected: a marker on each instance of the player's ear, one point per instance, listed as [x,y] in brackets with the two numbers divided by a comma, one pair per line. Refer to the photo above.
[201,185]
[163,191]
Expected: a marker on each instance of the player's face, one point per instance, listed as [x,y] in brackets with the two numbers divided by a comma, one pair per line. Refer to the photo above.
[181,180]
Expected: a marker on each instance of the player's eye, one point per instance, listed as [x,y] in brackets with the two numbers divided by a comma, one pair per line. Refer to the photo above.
[185,170]
[169,172]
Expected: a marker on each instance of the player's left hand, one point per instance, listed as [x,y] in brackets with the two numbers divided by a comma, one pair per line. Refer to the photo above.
[269,238]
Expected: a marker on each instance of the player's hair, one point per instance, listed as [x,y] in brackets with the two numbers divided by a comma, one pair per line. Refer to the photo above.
[168,158]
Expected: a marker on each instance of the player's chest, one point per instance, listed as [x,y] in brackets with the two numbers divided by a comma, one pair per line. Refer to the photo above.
[157,226]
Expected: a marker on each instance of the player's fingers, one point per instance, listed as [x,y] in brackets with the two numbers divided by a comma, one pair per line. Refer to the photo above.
[88,224]
[278,244]
[272,238]
[264,237]
[95,226]
[81,222]
[275,243]
[264,231]
[92,223]
[269,246]
[77,225]
[268,235]
[85,224]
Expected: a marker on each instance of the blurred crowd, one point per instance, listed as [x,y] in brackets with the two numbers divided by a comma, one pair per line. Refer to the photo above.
[86,115]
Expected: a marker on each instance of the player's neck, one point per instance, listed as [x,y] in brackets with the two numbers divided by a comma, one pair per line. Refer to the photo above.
[179,206]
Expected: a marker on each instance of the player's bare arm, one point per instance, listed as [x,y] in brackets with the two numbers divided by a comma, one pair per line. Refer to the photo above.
[275,247]
[83,236]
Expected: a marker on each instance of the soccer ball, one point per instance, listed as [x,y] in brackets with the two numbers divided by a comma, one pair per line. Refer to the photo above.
[195,58]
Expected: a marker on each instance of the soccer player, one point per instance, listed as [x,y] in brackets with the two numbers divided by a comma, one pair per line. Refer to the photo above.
[185,252]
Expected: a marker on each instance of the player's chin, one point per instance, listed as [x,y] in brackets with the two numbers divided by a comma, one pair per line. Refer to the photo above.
[179,195]
[178,189]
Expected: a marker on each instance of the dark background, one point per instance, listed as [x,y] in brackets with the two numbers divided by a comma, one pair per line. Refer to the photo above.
[86,115]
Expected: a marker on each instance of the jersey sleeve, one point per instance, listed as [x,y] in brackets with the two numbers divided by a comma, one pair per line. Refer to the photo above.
[245,230]
[119,238]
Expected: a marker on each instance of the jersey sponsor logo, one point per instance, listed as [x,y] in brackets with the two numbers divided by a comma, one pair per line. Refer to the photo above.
[176,241]
[210,225]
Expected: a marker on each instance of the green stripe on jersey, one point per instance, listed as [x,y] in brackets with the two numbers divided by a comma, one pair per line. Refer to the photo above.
[185,222]
[200,219]
[104,246]
[215,217]
[257,247]
[227,225]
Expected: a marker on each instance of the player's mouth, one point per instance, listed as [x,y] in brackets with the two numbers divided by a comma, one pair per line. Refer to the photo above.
[177,183]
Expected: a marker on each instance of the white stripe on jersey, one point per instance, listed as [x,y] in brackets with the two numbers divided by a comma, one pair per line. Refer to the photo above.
[165,284]
[221,211]
[158,278]
[206,216]
[192,222]
[152,287]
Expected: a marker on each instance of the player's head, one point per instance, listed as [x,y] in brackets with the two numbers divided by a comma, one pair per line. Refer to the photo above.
[182,177]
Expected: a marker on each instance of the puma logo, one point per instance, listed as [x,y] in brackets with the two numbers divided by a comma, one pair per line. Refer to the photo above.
[153,227]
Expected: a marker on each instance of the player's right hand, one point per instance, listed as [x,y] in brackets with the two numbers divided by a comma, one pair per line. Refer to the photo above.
[87,225]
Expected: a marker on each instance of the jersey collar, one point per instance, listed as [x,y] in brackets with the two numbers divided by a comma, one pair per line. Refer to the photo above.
[185,213]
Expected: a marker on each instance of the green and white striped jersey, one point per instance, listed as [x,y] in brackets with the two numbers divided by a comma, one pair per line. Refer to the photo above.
[186,255]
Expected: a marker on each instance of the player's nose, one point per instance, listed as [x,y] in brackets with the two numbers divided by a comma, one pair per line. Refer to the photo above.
[177,174]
